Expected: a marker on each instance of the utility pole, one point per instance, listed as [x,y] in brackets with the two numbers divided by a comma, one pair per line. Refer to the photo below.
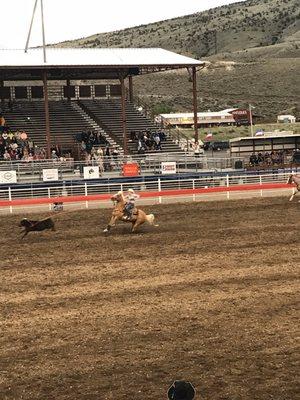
[251,119]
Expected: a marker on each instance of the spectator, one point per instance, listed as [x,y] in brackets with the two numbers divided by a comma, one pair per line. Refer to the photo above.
[54,155]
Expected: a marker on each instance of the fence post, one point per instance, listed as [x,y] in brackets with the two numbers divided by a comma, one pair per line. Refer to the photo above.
[49,196]
[159,189]
[260,182]
[227,184]
[9,198]
[194,195]
[86,193]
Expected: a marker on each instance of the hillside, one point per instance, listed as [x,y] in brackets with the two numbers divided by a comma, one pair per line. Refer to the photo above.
[252,51]
[272,86]
[226,29]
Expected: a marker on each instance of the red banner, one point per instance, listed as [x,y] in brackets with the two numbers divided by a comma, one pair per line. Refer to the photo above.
[131,169]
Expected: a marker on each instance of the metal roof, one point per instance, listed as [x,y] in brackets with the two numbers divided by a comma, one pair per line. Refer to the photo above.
[83,57]
[200,114]
[267,135]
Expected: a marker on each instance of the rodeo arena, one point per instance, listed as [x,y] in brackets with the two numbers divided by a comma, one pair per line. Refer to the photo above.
[137,263]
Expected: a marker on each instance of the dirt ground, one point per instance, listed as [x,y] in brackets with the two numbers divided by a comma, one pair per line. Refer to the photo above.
[209,296]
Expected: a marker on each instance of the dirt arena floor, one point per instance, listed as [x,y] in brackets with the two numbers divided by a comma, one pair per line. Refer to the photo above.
[209,296]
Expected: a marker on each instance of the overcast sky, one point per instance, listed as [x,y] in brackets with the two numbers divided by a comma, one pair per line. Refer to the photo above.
[72,19]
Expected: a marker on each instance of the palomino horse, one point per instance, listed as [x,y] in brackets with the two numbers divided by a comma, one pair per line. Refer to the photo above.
[293,178]
[138,218]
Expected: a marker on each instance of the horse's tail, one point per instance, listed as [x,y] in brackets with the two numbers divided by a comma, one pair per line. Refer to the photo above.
[150,219]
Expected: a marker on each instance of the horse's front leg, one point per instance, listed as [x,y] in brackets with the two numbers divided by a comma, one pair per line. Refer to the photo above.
[295,191]
[111,223]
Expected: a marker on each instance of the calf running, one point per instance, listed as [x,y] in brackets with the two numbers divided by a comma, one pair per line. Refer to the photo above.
[30,225]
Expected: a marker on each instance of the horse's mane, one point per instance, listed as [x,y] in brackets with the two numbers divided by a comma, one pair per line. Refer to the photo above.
[122,196]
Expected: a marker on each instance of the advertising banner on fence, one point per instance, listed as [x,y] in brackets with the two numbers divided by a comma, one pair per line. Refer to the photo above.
[8,177]
[50,175]
[131,169]
[91,172]
[168,167]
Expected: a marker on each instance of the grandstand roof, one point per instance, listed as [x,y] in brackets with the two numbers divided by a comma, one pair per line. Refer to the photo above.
[86,63]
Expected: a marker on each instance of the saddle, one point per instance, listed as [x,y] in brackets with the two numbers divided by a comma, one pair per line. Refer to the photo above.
[133,214]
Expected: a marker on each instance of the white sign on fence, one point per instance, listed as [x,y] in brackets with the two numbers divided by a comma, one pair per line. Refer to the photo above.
[50,174]
[91,172]
[8,177]
[168,167]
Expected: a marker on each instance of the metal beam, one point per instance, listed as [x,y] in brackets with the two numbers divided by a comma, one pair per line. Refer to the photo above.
[130,88]
[47,117]
[195,105]
[43,32]
[123,112]
[30,28]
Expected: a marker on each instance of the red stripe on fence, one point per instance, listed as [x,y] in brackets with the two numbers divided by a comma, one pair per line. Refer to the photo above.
[163,193]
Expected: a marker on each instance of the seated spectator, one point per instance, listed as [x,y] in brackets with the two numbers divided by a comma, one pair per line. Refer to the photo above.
[54,156]
[2,123]
[115,153]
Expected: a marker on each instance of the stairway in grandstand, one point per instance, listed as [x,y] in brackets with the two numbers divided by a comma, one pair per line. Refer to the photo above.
[107,113]
[65,122]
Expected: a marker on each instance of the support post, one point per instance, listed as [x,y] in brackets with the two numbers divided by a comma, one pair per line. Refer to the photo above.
[68,90]
[47,118]
[2,94]
[195,107]
[130,88]
[123,111]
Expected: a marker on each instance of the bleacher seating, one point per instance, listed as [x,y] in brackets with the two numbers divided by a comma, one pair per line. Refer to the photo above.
[107,113]
[65,122]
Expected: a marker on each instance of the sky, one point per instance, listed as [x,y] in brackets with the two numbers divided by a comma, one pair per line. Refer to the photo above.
[73,19]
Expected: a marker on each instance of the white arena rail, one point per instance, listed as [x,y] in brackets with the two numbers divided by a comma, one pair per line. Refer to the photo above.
[156,187]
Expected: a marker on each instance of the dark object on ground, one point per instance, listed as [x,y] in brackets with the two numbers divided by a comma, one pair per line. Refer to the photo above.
[58,206]
[220,145]
[30,225]
[181,390]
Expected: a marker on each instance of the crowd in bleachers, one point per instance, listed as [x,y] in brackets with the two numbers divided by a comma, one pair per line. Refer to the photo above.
[96,150]
[16,146]
[267,158]
[147,140]
[107,158]
[91,139]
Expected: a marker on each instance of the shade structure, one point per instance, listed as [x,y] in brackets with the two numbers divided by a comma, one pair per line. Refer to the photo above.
[81,63]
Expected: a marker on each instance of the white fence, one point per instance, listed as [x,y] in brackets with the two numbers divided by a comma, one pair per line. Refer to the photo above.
[109,166]
[158,185]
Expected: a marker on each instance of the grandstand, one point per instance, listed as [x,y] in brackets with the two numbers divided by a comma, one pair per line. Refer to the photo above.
[67,119]
[117,117]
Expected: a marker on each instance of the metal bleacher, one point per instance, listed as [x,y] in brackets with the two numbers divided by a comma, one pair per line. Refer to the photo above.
[107,113]
[65,122]
[70,118]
